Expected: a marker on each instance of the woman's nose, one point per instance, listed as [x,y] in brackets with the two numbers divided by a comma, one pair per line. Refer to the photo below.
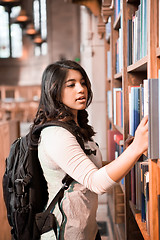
[80,87]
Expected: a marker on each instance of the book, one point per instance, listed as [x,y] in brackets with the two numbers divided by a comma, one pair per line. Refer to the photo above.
[118,138]
[111,144]
[144,169]
[117,106]
[146,196]
[109,104]
[141,101]
[153,119]
[138,46]
[133,186]
[145,86]
[134,108]
[138,184]
[129,41]
[144,27]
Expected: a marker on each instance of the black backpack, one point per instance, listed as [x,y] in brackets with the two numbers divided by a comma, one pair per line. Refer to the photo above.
[25,190]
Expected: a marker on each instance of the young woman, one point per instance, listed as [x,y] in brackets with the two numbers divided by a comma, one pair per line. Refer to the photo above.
[65,95]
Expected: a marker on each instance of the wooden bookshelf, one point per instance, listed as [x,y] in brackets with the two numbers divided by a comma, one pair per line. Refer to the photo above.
[138,66]
[145,64]
[141,225]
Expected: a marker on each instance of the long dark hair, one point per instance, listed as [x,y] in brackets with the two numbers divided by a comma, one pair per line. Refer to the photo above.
[50,106]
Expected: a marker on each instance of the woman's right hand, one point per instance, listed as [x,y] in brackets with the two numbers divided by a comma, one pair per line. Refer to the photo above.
[140,141]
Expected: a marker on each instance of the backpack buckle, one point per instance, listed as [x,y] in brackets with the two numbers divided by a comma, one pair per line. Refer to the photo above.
[19,187]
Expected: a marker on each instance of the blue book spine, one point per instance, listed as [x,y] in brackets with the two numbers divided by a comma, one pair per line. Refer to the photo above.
[135,109]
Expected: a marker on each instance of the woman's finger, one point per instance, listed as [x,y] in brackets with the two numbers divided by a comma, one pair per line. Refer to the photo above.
[144,121]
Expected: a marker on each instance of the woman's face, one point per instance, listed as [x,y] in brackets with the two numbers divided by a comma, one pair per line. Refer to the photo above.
[74,91]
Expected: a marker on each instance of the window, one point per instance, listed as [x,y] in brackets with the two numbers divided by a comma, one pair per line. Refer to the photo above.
[10,34]
[40,24]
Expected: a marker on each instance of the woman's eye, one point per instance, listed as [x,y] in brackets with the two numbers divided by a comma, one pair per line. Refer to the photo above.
[71,85]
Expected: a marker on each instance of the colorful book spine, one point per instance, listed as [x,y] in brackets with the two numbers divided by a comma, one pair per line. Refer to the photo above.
[111,145]
[117,103]
[134,109]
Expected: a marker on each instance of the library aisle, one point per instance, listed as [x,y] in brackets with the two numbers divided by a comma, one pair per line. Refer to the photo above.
[103,220]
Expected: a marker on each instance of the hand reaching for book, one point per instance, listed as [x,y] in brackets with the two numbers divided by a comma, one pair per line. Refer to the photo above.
[119,167]
[140,141]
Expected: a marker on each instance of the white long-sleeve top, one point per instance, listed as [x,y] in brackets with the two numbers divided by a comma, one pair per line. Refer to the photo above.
[60,153]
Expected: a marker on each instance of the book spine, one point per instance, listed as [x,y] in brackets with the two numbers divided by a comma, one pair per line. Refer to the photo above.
[153,121]
[144,169]
[145,85]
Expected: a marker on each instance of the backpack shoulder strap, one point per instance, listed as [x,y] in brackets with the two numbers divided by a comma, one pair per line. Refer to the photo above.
[41,218]
[38,130]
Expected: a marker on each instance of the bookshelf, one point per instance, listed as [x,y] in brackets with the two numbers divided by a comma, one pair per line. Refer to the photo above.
[138,61]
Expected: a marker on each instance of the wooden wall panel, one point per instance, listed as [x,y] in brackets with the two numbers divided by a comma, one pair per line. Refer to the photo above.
[9,131]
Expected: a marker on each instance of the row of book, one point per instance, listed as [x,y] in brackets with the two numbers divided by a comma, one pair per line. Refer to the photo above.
[134,107]
[139,175]
[145,100]
[137,34]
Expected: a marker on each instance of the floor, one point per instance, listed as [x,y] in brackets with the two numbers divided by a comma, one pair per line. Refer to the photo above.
[102,213]
[103,218]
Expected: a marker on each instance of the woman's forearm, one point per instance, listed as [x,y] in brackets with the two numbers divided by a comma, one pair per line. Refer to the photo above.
[118,168]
